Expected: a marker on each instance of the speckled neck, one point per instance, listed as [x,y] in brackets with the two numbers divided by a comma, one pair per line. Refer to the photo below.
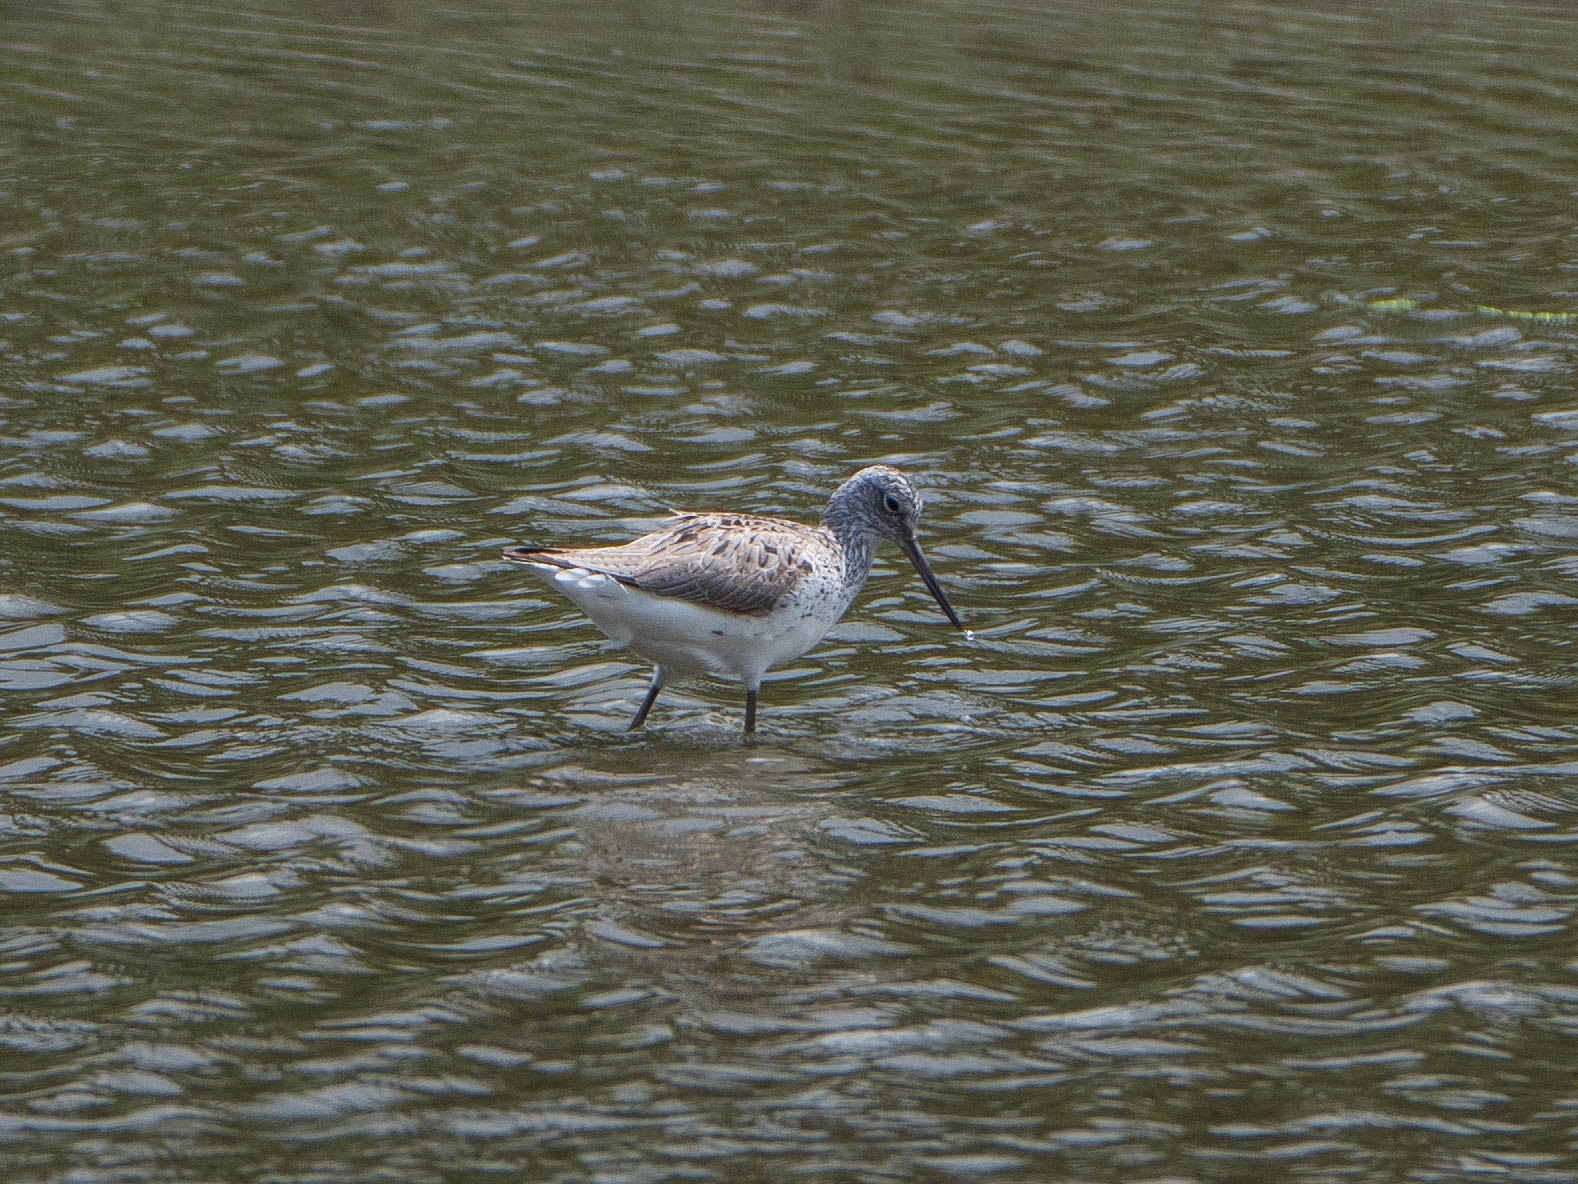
[848,519]
[858,551]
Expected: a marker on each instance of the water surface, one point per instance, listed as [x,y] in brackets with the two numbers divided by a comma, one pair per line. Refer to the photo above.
[1241,839]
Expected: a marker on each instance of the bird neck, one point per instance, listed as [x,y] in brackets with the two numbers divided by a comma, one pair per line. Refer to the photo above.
[856,539]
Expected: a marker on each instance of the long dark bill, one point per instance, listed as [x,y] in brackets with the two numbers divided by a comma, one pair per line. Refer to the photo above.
[912,549]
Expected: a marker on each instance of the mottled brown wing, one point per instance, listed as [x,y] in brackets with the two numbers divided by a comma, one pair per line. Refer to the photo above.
[733,562]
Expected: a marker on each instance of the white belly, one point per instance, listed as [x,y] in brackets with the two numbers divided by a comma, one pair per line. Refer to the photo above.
[687,639]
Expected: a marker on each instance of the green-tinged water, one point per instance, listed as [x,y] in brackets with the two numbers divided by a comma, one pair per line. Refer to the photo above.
[1239,845]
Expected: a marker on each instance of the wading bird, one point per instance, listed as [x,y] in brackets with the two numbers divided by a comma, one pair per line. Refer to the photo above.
[736,594]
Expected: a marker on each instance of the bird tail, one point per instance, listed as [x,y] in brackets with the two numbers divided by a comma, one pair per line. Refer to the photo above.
[534,555]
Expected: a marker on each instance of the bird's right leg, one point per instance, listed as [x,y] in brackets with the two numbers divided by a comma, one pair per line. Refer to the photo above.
[646,704]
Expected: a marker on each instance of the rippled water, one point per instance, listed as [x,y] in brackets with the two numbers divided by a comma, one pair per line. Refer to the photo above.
[1239,844]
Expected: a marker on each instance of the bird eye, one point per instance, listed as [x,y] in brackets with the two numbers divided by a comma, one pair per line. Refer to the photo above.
[892,503]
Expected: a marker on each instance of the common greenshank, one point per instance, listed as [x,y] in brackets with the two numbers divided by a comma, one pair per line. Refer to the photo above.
[736,594]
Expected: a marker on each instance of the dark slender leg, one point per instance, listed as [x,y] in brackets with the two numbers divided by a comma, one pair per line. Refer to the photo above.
[646,704]
[750,711]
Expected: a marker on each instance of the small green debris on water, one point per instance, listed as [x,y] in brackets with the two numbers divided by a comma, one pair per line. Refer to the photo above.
[1401,304]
